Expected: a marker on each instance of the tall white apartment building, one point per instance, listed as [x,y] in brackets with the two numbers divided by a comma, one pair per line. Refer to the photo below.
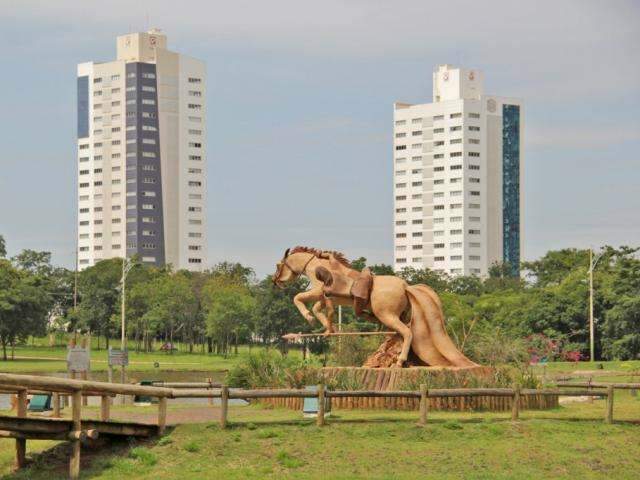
[458,178]
[141,155]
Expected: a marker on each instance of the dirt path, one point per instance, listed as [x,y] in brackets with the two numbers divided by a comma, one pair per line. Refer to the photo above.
[190,414]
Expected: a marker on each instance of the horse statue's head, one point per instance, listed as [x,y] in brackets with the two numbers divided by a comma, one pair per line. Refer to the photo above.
[283,273]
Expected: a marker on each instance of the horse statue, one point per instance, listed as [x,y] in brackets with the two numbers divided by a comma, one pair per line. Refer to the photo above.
[413,311]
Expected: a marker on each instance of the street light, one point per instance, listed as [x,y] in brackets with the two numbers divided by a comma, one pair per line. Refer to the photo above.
[592,265]
[127,265]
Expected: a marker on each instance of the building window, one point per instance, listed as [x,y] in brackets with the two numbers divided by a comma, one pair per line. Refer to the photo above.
[474,115]
[148,101]
[196,158]
[416,133]
[149,75]
[401,147]
[401,235]
[474,205]
[474,257]
[474,167]
[455,206]
[474,141]
[439,143]
[455,167]
[195,106]
[474,180]
[195,235]
[438,156]
[475,194]
[398,197]
[195,80]
[195,144]
[438,207]
[455,232]
[195,184]
[439,181]
[455,115]
[438,259]
[474,231]
[416,234]
[438,117]
[455,245]
[474,154]
[438,169]
[401,135]
[455,154]
[438,245]
[455,141]
[438,130]
[457,128]
[455,258]
[474,129]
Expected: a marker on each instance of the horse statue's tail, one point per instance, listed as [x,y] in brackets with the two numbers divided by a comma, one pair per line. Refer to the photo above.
[431,343]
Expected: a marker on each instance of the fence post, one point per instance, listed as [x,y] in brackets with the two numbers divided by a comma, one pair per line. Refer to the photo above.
[211,387]
[424,404]
[609,413]
[105,404]
[21,443]
[162,414]
[320,419]
[515,409]
[76,409]
[224,405]
[55,398]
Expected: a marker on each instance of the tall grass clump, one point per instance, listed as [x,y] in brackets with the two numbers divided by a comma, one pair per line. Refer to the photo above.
[272,369]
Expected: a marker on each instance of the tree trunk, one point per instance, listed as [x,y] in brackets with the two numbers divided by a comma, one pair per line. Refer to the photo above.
[4,350]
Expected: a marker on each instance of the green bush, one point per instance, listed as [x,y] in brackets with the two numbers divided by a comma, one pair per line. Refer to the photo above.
[272,369]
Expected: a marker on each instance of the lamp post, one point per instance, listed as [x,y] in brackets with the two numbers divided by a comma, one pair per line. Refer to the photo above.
[592,265]
[127,265]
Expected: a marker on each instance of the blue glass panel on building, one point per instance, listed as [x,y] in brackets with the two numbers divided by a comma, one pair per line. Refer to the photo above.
[83,107]
[511,187]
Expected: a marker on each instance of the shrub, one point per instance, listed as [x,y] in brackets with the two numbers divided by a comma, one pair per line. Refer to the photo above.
[272,369]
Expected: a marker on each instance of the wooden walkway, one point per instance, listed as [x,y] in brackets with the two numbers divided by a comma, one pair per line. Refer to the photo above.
[60,429]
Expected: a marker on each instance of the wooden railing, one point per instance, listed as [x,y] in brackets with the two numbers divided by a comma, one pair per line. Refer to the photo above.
[22,384]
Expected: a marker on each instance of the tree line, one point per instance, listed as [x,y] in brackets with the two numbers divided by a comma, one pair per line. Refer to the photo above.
[226,305]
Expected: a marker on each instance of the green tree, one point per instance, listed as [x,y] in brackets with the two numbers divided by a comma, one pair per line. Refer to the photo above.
[23,307]
[229,308]
[621,330]
[275,313]
[99,289]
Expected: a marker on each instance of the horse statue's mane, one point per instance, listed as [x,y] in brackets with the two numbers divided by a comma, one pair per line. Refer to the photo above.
[322,254]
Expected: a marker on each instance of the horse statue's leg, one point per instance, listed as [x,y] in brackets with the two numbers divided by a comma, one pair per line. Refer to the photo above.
[392,320]
[323,310]
[301,299]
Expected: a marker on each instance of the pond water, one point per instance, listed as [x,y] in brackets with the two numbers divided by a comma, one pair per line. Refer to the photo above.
[136,377]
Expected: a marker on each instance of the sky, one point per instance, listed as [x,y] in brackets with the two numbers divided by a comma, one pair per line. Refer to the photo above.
[300,113]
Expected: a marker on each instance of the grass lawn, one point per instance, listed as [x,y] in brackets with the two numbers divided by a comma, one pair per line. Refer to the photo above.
[39,357]
[566,443]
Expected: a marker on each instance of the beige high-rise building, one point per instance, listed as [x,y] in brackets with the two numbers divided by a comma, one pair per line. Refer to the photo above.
[458,178]
[141,155]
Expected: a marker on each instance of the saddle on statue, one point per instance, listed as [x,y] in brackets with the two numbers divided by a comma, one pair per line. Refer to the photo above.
[356,285]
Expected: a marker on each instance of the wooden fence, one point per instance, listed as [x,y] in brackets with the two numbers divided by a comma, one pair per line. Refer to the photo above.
[21,384]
